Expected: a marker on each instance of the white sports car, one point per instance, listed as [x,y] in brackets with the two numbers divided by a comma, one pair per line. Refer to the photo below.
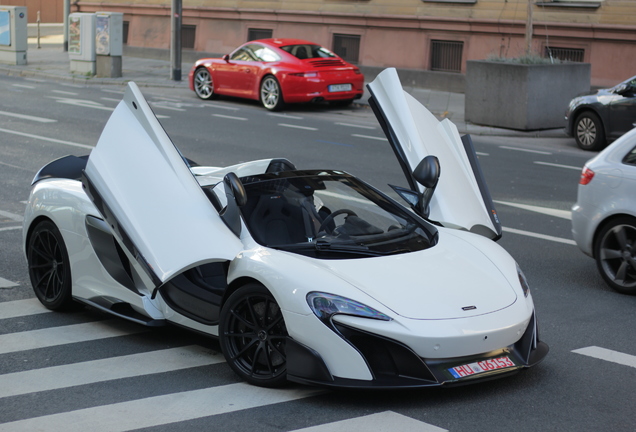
[312,276]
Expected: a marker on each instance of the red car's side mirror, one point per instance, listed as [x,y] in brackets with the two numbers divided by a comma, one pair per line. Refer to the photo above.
[226,57]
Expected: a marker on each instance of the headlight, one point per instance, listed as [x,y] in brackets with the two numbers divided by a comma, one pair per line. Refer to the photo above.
[523,281]
[327,305]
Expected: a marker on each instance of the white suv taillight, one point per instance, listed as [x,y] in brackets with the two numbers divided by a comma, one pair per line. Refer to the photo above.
[586,176]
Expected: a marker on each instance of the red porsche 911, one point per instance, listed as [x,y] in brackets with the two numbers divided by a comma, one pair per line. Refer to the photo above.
[278,71]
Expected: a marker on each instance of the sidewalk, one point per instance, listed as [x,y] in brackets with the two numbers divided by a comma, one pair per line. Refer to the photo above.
[51,62]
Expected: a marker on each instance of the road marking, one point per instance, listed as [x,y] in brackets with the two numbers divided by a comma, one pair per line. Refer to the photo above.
[335,143]
[285,116]
[110,99]
[55,336]
[356,126]
[159,105]
[24,86]
[482,154]
[43,138]
[558,165]
[81,103]
[539,236]
[90,372]
[297,126]
[229,117]
[35,80]
[27,117]
[370,137]
[11,228]
[167,99]
[113,91]
[162,410]
[73,85]
[525,150]
[64,92]
[159,116]
[4,283]
[387,421]
[20,308]
[211,105]
[16,167]
[608,355]
[12,216]
[563,214]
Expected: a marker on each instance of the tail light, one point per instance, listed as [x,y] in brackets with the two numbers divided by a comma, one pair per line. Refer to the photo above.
[357,71]
[586,176]
[305,74]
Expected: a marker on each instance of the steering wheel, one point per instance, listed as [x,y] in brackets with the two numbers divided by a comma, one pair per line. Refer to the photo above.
[330,218]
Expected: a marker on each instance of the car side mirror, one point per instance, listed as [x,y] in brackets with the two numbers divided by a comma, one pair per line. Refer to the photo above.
[427,174]
[623,89]
[226,57]
[236,197]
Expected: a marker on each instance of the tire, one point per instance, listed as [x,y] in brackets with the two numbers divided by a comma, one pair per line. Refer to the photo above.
[49,267]
[203,84]
[271,95]
[253,336]
[615,254]
[588,132]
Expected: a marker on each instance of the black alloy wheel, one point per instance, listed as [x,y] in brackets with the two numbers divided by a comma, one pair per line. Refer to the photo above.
[271,94]
[615,252]
[49,267]
[588,132]
[253,336]
[203,84]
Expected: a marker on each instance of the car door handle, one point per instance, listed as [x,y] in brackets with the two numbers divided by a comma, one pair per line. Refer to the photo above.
[247,70]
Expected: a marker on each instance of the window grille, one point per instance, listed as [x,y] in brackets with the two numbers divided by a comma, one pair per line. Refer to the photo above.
[446,56]
[187,36]
[347,47]
[254,34]
[565,54]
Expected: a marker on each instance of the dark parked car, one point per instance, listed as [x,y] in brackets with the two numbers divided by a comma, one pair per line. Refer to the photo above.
[596,119]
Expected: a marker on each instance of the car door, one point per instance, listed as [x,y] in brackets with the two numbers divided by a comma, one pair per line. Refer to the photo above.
[237,76]
[461,199]
[141,185]
[622,115]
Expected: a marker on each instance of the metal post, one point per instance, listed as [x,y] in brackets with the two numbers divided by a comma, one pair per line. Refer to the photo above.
[65,14]
[175,43]
[38,23]
[529,28]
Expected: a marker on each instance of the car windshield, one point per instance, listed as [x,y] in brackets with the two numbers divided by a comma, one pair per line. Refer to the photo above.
[327,215]
[308,51]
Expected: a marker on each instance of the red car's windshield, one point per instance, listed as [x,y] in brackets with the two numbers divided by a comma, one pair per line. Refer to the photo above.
[306,51]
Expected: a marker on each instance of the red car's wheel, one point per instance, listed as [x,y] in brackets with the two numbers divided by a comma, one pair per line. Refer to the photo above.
[203,84]
[271,94]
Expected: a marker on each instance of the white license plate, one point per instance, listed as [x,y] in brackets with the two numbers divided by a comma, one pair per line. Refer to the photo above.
[339,87]
[481,367]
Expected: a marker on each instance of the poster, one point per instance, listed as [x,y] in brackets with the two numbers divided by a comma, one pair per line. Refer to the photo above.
[102,34]
[5,27]
[74,40]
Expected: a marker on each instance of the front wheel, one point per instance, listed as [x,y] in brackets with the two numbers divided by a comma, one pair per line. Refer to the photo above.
[271,94]
[588,132]
[253,335]
[49,267]
[203,84]
[615,252]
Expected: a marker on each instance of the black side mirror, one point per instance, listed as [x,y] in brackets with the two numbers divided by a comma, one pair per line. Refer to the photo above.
[236,197]
[226,57]
[427,174]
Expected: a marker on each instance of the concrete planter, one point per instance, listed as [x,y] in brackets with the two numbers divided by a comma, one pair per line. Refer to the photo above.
[522,96]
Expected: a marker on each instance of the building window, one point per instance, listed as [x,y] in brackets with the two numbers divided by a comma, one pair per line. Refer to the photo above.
[125,35]
[446,56]
[187,36]
[565,54]
[347,47]
[254,34]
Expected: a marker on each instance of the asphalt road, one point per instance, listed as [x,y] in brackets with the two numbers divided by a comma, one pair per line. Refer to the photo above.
[87,371]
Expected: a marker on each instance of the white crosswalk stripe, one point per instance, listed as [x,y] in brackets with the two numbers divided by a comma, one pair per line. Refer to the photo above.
[49,337]
[18,308]
[387,421]
[160,410]
[106,369]
[4,283]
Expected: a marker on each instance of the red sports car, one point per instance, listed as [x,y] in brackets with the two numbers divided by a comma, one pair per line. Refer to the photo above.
[278,71]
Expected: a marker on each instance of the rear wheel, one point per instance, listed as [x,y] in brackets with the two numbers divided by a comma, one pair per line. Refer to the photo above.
[253,336]
[49,267]
[615,252]
[203,84]
[588,132]
[271,94]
